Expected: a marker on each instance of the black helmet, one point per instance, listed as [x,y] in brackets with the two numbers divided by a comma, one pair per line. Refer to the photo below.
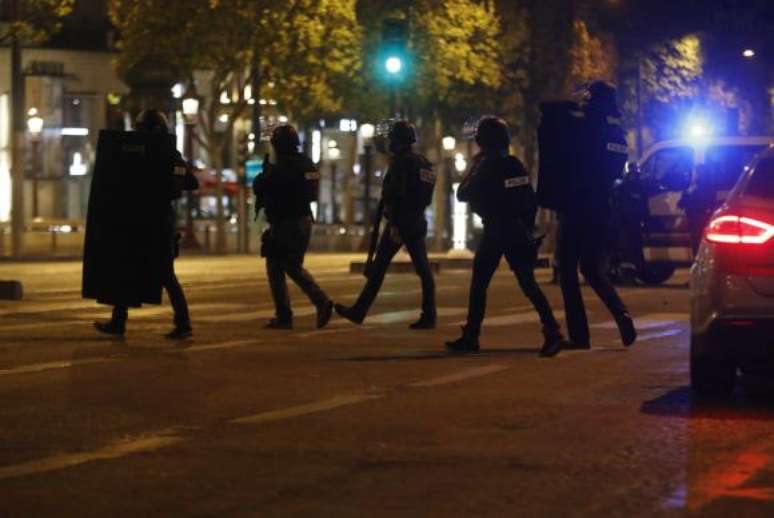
[401,135]
[492,133]
[151,120]
[601,96]
[284,139]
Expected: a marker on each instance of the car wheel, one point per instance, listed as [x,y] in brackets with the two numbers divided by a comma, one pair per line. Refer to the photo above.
[711,377]
[655,273]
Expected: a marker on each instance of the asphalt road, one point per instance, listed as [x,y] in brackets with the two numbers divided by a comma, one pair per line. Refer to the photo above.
[360,421]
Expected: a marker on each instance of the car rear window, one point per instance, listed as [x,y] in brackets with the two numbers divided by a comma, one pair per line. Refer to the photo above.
[727,163]
[762,180]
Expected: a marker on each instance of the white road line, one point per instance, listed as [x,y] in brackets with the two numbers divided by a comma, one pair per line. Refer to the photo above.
[163,439]
[508,320]
[42,367]
[394,317]
[475,372]
[648,321]
[300,410]
[658,334]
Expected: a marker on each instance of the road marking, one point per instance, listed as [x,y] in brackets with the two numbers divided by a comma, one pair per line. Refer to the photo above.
[509,320]
[658,334]
[41,367]
[475,372]
[163,439]
[301,410]
[394,317]
[33,307]
[648,321]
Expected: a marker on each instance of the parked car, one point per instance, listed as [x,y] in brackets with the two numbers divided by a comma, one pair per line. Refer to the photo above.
[656,187]
[732,286]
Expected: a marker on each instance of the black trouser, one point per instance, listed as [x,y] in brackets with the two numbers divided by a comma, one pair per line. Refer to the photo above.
[389,245]
[176,297]
[498,240]
[582,239]
[291,239]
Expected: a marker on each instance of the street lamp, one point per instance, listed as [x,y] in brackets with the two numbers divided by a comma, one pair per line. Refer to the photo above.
[748,53]
[190,113]
[444,203]
[367,132]
[35,127]
[333,154]
[459,216]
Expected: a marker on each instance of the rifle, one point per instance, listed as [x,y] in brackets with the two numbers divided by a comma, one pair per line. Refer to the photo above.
[374,239]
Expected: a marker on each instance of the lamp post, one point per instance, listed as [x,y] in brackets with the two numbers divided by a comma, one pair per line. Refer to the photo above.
[367,132]
[333,155]
[449,144]
[190,113]
[460,216]
[35,127]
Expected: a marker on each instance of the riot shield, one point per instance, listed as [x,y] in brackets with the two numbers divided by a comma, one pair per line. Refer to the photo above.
[128,243]
[558,140]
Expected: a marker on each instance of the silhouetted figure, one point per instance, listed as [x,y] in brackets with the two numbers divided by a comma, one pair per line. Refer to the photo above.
[630,208]
[406,191]
[699,201]
[154,121]
[285,190]
[498,189]
[584,218]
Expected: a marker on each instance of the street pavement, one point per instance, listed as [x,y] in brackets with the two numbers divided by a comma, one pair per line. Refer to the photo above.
[361,421]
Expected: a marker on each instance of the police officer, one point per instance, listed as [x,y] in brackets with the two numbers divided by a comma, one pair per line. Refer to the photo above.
[699,202]
[285,190]
[407,190]
[583,233]
[630,210]
[498,189]
[154,121]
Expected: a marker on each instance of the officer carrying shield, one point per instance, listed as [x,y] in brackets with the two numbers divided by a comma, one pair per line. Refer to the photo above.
[498,189]
[285,190]
[585,217]
[154,121]
[406,191]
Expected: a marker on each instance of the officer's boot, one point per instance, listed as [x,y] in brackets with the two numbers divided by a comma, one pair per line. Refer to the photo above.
[467,343]
[351,313]
[553,342]
[426,321]
[111,327]
[279,323]
[116,326]
[626,328]
[181,331]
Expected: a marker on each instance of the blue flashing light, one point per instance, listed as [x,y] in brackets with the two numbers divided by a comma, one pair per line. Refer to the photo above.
[697,130]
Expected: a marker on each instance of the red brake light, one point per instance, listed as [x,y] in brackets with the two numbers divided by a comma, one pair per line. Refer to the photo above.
[739,230]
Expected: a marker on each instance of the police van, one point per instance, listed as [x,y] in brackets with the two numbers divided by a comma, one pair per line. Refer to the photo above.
[664,174]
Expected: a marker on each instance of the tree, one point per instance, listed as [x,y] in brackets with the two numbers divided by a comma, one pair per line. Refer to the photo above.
[454,67]
[591,57]
[293,53]
[35,20]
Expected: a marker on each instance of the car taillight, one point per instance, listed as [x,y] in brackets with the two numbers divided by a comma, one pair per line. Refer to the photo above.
[738,230]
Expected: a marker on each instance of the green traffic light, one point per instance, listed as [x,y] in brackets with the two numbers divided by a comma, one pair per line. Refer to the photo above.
[393,65]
